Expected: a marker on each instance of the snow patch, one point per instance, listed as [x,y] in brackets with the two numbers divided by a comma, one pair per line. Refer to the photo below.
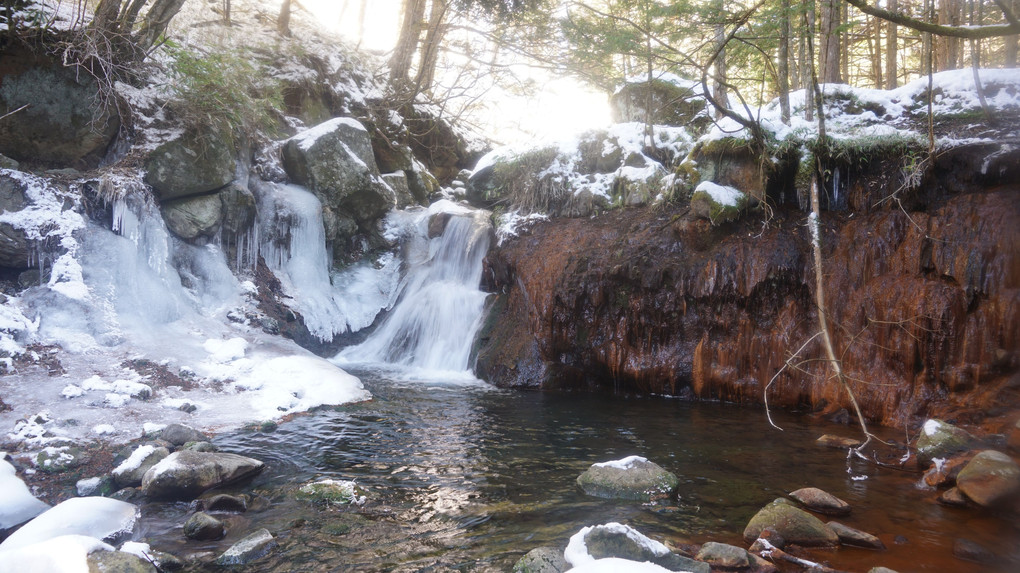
[931,427]
[624,464]
[721,194]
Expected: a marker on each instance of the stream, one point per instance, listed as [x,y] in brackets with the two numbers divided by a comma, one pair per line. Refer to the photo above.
[462,476]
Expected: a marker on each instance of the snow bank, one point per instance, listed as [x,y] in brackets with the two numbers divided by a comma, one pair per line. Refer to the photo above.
[17,504]
[63,554]
[288,384]
[96,517]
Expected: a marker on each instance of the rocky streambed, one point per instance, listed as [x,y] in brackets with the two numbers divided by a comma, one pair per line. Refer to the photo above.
[453,475]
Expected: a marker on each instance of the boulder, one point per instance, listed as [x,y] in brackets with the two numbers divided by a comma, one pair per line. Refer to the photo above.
[179,434]
[633,477]
[674,101]
[989,479]
[62,125]
[239,209]
[971,551]
[252,547]
[185,474]
[793,524]
[8,163]
[724,556]
[224,502]
[398,183]
[639,185]
[730,163]
[850,536]
[203,527]
[953,498]
[614,540]
[14,248]
[542,560]
[130,472]
[820,501]
[190,165]
[193,217]
[118,562]
[944,471]
[717,203]
[941,440]
[335,160]
[57,459]
[98,517]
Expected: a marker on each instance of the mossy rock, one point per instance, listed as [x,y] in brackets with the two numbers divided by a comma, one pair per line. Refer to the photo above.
[940,439]
[332,492]
[793,524]
[718,203]
[190,165]
[632,478]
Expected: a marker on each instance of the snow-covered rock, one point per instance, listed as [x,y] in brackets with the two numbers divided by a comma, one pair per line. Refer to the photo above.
[130,472]
[632,477]
[186,473]
[63,554]
[618,547]
[252,547]
[96,517]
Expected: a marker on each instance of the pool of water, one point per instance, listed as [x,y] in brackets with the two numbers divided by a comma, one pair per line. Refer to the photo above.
[465,477]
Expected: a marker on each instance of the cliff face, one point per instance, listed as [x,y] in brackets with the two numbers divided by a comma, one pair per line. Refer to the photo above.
[925,307]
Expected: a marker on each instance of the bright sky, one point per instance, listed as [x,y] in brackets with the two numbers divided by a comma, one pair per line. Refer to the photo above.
[562,107]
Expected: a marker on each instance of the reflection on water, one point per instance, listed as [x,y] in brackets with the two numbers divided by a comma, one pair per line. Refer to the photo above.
[467,477]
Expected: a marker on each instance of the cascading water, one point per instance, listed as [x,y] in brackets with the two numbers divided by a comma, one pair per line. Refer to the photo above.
[440,308]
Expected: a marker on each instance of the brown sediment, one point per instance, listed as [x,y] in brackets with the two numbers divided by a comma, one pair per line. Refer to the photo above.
[924,305]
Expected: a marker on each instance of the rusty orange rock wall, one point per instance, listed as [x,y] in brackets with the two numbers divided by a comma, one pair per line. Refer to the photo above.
[924,307]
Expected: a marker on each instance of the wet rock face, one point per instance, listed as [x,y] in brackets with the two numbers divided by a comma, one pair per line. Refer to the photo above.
[639,300]
[62,125]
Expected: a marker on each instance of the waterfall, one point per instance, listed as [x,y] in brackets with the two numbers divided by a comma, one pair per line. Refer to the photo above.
[433,324]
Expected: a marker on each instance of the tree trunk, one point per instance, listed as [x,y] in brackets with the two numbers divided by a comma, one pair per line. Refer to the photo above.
[407,42]
[784,62]
[1012,42]
[720,80]
[892,50]
[829,42]
[430,47]
[808,61]
[875,50]
[283,20]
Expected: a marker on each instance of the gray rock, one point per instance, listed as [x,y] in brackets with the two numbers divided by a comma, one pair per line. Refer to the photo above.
[672,103]
[398,183]
[989,479]
[820,501]
[724,556]
[14,247]
[850,536]
[252,547]
[335,160]
[94,486]
[130,472]
[542,560]
[793,524]
[238,208]
[881,570]
[201,446]
[203,527]
[332,492]
[631,478]
[193,217]
[186,474]
[62,125]
[118,562]
[611,540]
[8,163]
[179,434]
[61,458]
[224,502]
[190,166]
[941,440]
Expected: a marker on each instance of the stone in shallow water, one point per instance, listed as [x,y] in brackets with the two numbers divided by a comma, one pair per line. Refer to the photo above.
[118,562]
[724,556]
[630,478]
[254,546]
[839,442]
[793,524]
[542,560]
[941,440]
[953,497]
[820,501]
[203,527]
[850,536]
[970,551]
[185,473]
[990,478]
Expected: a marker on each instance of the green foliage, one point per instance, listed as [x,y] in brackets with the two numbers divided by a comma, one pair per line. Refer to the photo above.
[226,90]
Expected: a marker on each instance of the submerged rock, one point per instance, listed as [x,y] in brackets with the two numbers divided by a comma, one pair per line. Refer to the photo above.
[793,524]
[332,492]
[633,477]
[724,556]
[941,440]
[224,502]
[820,501]
[542,560]
[839,442]
[119,562]
[185,474]
[971,551]
[989,479]
[254,546]
[203,527]
[850,536]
